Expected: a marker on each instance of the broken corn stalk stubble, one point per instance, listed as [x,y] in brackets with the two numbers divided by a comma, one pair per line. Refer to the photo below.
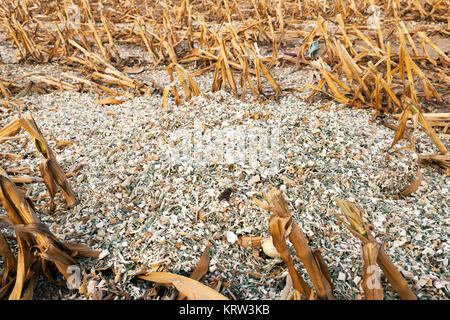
[359,229]
[276,203]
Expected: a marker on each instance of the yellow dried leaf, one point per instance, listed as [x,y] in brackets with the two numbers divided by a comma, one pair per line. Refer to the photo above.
[64,143]
[191,288]
[414,185]
[107,101]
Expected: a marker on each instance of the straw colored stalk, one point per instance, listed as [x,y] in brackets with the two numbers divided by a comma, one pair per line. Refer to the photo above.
[31,234]
[426,126]
[371,282]
[21,213]
[439,159]
[51,171]
[276,203]
[187,82]
[358,227]
[279,228]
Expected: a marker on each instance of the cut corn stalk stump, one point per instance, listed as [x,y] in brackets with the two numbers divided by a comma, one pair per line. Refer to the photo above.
[38,248]
[372,251]
[279,223]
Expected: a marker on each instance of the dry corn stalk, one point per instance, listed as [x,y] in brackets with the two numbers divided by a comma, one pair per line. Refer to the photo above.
[51,172]
[38,248]
[359,228]
[374,68]
[35,241]
[371,285]
[278,228]
[274,202]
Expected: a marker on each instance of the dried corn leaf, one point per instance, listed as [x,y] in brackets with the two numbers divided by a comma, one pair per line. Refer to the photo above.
[107,101]
[191,288]
[23,265]
[133,70]
[64,143]
[354,216]
[9,261]
[428,129]
[81,250]
[58,176]
[12,129]
[202,266]
[441,160]
[413,186]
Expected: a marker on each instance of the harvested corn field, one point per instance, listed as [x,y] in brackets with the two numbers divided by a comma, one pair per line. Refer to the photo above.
[242,150]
